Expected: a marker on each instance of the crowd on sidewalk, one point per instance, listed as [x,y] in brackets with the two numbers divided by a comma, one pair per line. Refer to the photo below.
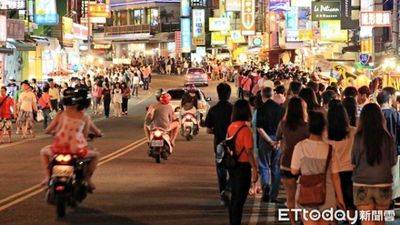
[33,102]
[331,147]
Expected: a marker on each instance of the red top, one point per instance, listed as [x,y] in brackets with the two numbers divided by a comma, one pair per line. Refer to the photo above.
[5,109]
[244,139]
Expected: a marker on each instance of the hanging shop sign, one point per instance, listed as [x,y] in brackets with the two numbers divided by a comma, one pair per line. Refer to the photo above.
[217,38]
[255,41]
[3,29]
[237,37]
[80,31]
[100,9]
[185,8]
[291,18]
[364,58]
[349,14]
[330,31]
[325,11]
[306,35]
[248,17]
[186,40]
[178,49]
[219,24]
[67,31]
[46,12]
[279,5]
[376,19]
[232,5]
[12,4]
[198,37]
[15,29]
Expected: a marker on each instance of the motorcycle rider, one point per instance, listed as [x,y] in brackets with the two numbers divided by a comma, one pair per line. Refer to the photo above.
[189,106]
[162,115]
[71,128]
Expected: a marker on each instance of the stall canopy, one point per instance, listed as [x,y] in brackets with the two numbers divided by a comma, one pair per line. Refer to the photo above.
[21,46]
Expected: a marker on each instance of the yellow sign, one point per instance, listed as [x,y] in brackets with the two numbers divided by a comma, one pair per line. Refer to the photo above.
[100,9]
[306,35]
[330,31]
[366,45]
[200,40]
[217,38]
[67,31]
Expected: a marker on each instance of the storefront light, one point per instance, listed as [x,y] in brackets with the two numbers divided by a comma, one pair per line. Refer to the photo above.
[398,69]
[89,58]
[100,61]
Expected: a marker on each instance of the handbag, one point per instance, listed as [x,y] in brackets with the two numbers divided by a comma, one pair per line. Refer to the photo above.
[313,187]
[52,114]
[39,116]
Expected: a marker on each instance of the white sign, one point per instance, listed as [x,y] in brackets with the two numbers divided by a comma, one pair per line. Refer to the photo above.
[376,18]
[12,4]
[3,28]
[219,24]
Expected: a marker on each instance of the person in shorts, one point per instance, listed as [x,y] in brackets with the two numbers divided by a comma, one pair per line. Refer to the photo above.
[26,107]
[6,114]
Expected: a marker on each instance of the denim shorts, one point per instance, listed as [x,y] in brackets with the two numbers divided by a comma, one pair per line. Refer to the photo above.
[381,196]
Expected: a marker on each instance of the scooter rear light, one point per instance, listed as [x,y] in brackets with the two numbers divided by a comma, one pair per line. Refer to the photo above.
[157,133]
[63,158]
[188,117]
[60,188]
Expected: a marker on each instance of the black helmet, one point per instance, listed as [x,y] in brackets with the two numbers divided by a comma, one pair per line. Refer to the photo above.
[68,97]
[81,99]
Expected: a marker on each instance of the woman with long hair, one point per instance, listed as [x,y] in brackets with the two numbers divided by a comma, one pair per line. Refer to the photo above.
[340,136]
[246,171]
[291,130]
[106,97]
[350,104]
[309,96]
[117,99]
[126,95]
[373,157]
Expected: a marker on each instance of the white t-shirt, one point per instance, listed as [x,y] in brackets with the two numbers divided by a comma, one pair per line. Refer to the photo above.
[135,80]
[342,150]
[27,101]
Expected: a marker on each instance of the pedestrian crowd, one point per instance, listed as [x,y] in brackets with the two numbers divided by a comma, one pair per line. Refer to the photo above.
[331,147]
[32,101]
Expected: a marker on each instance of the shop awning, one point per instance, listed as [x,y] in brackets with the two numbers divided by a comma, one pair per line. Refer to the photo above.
[41,40]
[21,46]
[8,51]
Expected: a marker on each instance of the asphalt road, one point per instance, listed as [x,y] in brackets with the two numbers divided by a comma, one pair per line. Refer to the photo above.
[131,187]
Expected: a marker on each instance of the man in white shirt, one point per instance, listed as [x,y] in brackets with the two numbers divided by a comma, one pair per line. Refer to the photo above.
[26,106]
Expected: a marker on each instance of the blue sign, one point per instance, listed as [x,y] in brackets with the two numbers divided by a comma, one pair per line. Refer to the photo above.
[185,35]
[364,58]
[45,12]
[185,8]
[49,19]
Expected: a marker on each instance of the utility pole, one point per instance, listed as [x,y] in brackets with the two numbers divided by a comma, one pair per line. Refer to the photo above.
[395,28]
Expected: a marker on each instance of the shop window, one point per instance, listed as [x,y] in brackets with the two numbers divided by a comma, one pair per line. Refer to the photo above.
[153,16]
[123,18]
[138,17]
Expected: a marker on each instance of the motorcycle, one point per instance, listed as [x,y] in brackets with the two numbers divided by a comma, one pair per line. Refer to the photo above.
[189,126]
[160,144]
[67,185]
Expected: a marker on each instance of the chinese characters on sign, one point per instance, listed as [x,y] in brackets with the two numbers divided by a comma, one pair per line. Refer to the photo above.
[376,19]
[325,11]
[248,17]
[100,9]
[15,29]
[219,24]
[185,8]
[3,29]
[232,5]
[46,12]
[198,27]
[12,4]
[185,35]
[80,31]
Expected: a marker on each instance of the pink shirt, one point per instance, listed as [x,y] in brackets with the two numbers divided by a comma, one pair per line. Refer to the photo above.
[44,101]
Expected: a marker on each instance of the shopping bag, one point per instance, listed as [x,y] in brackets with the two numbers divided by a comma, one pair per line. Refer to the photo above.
[39,116]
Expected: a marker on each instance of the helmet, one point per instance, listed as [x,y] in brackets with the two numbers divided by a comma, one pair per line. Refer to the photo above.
[68,97]
[165,98]
[158,93]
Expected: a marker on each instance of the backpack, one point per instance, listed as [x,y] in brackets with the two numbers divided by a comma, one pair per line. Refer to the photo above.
[226,151]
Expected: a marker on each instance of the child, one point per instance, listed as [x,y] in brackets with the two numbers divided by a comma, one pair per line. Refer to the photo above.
[71,128]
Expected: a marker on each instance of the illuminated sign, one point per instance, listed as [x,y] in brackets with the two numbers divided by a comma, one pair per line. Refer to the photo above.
[279,5]
[3,28]
[46,12]
[101,46]
[80,31]
[291,18]
[376,19]
[248,17]
[255,41]
[217,38]
[12,4]
[186,40]
[185,8]
[325,11]
[232,5]
[237,37]
[219,24]
[198,37]
[67,25]
[100,9]
[330,31]
[306,35]
[16,29]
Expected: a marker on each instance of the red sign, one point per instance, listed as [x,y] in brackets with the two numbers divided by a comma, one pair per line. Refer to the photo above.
[80,32]
[178,43]
[15,29]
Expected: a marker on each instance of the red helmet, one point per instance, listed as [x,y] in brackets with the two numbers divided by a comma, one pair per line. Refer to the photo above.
[165,98]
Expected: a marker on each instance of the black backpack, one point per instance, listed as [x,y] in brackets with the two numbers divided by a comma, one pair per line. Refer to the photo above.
[226,151]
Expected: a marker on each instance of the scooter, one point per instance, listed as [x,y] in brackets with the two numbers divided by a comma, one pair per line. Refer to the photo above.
[160,144]
[189,125]
[67,185]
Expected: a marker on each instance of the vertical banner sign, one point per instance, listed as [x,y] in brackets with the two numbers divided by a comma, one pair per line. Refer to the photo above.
[198,37]
[178,49]
[347,20]
[232,5]
[248,17]
[186,39]
[46,12]
[16,29]
[185,8]
[3,29]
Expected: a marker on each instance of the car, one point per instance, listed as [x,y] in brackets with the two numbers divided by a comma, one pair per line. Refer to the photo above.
[196,76]
[176,98]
